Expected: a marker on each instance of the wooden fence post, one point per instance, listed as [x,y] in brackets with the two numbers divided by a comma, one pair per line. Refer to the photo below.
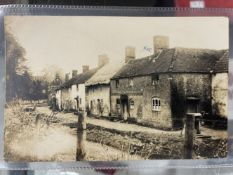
[81,136]
[189,136]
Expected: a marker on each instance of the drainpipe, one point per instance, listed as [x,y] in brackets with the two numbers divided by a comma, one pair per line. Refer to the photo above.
[110,99]
[211,90]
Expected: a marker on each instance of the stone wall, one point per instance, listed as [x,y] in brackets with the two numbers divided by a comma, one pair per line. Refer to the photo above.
[189,85]
[141,92]
[171,89]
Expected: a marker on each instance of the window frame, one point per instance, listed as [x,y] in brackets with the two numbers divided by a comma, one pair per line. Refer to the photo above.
[154,79]
[131,104]
[118,103]
[130,82]
[117,83]
[156,104]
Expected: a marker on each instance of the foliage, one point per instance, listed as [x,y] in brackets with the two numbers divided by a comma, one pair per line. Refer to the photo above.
[16,71]
[19,81]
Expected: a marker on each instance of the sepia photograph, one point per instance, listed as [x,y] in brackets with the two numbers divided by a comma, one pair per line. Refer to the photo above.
[98,88]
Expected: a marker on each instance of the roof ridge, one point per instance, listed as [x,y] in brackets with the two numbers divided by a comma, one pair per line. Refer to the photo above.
[194,48]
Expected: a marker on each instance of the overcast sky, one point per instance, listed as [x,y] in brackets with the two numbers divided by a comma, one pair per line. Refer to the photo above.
[70,42]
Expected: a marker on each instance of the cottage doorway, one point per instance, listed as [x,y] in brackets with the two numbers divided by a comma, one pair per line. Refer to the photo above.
[124,106]
[77,102]
[91,106]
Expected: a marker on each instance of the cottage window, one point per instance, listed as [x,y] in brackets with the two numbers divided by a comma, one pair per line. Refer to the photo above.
[155,79]
[131,104]
[130,82]
[118,102]
[117,83]
[156,106]
[77,87]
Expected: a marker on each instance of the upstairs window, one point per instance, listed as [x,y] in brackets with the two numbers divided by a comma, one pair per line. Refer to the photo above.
[131,82]
[155,79]
[156,106]
[77,87]
[117,83]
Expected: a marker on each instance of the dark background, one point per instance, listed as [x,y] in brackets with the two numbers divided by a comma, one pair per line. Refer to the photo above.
[142,3]
[153,3]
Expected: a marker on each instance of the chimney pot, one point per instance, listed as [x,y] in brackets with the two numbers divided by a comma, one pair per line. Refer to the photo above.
[103,59]
[160,43]
[85,68]
[74,73]
[129,54]
[66,76]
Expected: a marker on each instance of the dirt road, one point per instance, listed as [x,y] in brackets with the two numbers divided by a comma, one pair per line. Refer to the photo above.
[71,118]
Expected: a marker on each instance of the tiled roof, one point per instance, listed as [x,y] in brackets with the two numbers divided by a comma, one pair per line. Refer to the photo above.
[177,60]
[222,64]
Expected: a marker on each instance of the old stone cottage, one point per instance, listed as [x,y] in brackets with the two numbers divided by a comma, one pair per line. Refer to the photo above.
[160,89]
[98,90]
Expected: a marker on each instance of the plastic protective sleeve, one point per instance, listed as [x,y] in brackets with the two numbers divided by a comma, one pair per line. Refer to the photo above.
[209,166]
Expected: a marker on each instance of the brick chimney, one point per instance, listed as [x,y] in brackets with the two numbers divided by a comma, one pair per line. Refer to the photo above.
[85,68]
[67,76]
[129,54]
[160,43]
[74,73]
[103,59]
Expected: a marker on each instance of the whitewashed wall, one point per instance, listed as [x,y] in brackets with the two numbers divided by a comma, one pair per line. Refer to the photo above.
[220,94]
[99,92]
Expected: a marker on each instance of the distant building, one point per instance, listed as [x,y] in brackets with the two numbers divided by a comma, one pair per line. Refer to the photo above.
[160,89]
[54,84]
[71,95]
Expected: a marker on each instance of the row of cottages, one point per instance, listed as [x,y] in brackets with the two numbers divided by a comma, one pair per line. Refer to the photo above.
[160,89]
[71,95]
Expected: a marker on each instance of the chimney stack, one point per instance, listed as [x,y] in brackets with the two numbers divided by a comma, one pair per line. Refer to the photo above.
[85,68]
[160,43]
[103,59]
[74,73]
[66,76]
[129,54]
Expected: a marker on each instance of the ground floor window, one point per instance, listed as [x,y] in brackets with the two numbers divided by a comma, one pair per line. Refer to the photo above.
[131,104]
[118,102]
[156,106]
